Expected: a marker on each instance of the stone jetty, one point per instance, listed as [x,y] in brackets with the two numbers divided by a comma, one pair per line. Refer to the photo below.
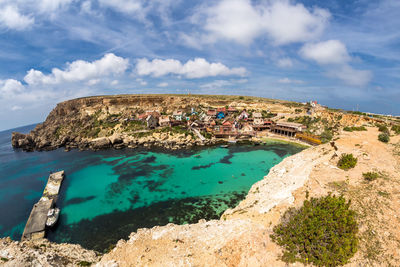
[35,227]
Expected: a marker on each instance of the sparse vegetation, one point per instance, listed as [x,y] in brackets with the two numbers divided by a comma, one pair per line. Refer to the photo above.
[396,129]
[84,263]
[382,128]
[354,128]
[384,137]
[326,136]
[322,232]
[370,176]
[347,161]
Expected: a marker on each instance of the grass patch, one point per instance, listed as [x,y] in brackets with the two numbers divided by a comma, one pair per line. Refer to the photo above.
[370,176]
[347,161]
[322,232]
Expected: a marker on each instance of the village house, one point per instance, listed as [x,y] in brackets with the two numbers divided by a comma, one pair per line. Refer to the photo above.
[288,128]
[231,110]
[212,113]
[178,115]
[258,119]
[247,128]
[243,115]
[223,109]
[220,115]
[152,122]
[164,121]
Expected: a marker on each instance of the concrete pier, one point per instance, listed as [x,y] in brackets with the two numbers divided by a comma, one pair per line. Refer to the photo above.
[35,227]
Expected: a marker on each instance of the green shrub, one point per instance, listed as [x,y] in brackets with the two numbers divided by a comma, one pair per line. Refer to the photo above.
[354,128]
[347,161]
[326,136]
[383,128]
[384,137]
[396,129]
[370,176]
[84,263]
[322,232]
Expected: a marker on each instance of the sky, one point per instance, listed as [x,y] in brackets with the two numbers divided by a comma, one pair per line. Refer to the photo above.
[343,54]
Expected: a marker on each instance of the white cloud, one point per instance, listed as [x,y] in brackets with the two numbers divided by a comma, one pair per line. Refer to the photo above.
[11,18]
[163,84]
[93,82]
[351,76]
[285,63]
[124,6]
[333,53]
[141,81]
[216,84]
[290,81]
[15,108]
[10,87]
[114,82]
[242,22]
[80,70]
[49,6]
[328,52]
[197,68]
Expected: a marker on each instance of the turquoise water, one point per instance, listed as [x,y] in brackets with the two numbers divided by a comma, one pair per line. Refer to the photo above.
[108,194]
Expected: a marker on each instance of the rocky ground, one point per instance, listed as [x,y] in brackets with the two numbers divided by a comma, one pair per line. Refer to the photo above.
[43,253]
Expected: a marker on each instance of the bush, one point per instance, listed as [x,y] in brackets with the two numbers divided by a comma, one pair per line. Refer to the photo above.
[383,128]
[347,161]
[370,176]
[354,128]
[384,137]
[326,136]
[322,232]
[396,129]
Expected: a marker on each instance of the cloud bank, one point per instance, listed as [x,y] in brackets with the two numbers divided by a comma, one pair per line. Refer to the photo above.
[197,68]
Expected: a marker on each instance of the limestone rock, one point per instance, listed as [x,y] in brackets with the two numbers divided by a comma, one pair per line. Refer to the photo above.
[100,143]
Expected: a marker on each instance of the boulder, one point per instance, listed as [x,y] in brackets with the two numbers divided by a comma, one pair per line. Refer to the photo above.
[100,143]
[116,139]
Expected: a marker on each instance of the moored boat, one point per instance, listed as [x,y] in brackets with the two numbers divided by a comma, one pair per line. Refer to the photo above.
[52,216]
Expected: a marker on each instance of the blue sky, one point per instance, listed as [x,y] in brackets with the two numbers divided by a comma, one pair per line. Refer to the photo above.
[344,54]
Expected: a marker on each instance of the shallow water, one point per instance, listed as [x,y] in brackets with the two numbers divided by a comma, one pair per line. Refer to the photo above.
[108,194]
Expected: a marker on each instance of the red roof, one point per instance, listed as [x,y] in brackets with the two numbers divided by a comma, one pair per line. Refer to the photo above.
[232,109]
[143,116]
[213,123]
[221,109]
[211,112]
[227,123]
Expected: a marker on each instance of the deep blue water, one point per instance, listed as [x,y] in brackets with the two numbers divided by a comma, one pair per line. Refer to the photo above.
[108,194]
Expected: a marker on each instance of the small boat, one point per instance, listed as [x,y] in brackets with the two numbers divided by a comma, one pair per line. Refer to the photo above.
[223,146]
[52,217]
[232,141]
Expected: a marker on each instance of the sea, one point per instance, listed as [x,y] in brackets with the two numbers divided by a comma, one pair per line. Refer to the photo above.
[108,194]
